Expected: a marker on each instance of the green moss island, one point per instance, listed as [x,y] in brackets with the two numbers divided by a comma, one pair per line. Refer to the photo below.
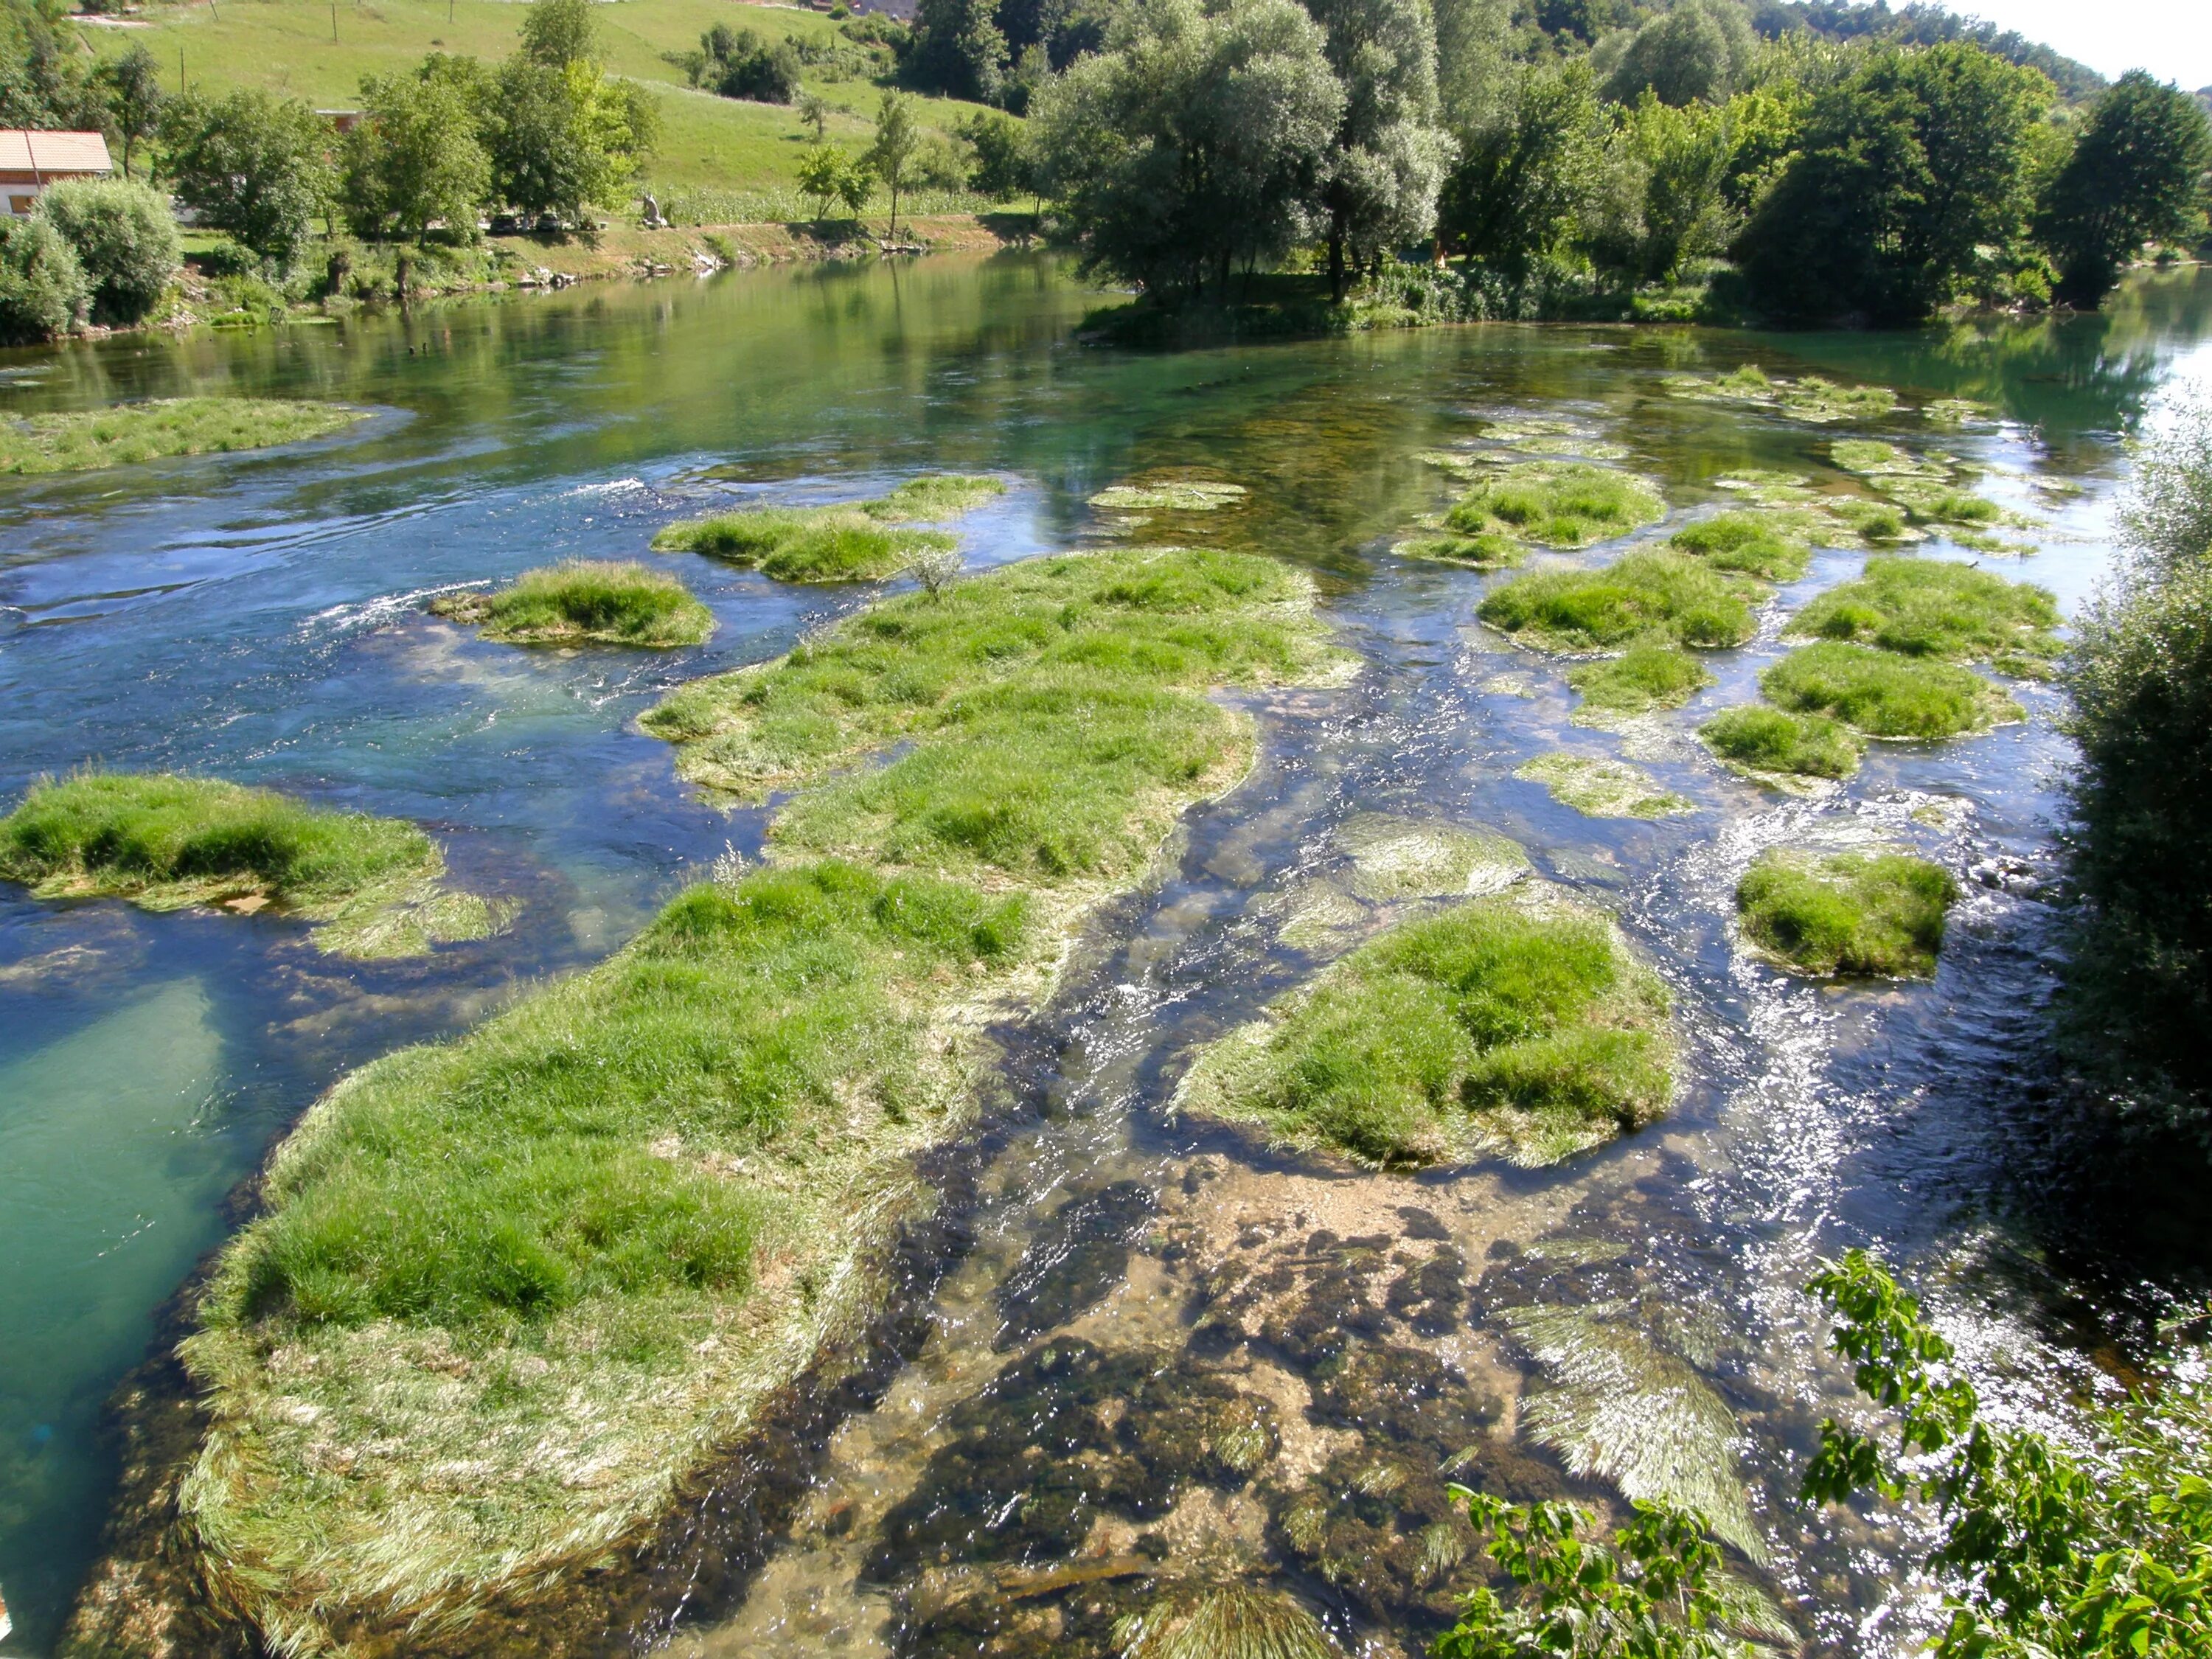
[129,433]
[585,601]
[856,542]
[168,842]
[511,1296]
[1876,914]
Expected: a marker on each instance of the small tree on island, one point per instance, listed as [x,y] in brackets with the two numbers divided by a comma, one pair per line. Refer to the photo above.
[891,155]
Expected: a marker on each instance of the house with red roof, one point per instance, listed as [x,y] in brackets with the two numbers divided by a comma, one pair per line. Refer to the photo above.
[30,160]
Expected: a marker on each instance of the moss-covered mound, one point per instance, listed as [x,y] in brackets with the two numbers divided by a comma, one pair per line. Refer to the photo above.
[1498,1026]
[168,426]
[581,600]
[1760,741]
[1640,681]
[1932,608]
[1562,504]
[1813,398]
[1601,788]
[1651,597]
[513,1295]
[1772,545]
[857,541]
[1848,913]
[1884,695]
[167,842]
[1483,552]
[1394,858]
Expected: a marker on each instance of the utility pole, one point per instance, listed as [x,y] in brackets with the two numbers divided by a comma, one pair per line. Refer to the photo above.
[181,88]
[334,20]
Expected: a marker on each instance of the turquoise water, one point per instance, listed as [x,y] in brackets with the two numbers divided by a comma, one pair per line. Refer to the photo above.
[259,616]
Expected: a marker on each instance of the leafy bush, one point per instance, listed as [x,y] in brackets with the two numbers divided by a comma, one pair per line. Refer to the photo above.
[1884,695]
[1756,738]
[43,292]
[1649,597]
[1851,912]
[582,600]
[126,241]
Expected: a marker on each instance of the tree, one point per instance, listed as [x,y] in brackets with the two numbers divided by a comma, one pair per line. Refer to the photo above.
[1682,159]
[892,153]
[1698,50]
[252,165]
[42,288]
[1387,157]
[561,138]
[1908,168]
[1476,54]
[814,112]
[958,50]
[2135,175]
[739,64]
[1002,168]
[124,238]
[1196,139]
[414,158]
[129,86]
[829,175]
[42,80]
[559,33]
[1523,177]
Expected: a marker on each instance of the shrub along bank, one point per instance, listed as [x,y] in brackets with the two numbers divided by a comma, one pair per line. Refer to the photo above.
[510,1293]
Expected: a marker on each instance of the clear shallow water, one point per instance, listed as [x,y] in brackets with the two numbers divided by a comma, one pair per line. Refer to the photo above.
[259,616]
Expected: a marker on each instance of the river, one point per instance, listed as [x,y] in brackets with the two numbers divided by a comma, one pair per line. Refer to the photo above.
[260,618]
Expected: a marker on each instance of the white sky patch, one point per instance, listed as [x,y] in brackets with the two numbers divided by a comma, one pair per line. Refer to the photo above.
[2172,38]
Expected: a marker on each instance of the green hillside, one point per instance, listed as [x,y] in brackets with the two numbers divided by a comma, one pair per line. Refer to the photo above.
[709,143]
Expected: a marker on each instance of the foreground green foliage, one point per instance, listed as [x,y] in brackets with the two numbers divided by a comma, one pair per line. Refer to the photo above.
[581,600]
[167,842]
[129,433]
[1504,1026]
[1930,608]
[1565,504]
[1883,695]
[1640,680]
[1643,597]
[1753,739]
[2044,1554]
[862,541]
[1848,913]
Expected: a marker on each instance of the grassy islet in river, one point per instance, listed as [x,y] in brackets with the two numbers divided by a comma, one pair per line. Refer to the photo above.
[862,541]
[127,433]
[1933,608]
[1771,544]
[1643,679]
[1643,597]
[1395,858]
[1485,551]
[1848,913]
[1168,495]
[1561,504]
[1813,398]
[1753,739]
[166,841]
[1499,1025]
[585,600]
[1885,694]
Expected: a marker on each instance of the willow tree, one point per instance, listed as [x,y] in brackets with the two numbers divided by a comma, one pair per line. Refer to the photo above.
[1388,154]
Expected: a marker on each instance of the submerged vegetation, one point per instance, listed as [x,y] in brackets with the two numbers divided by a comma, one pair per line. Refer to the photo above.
[167,842]
[862,541]
[1646,598]
[1848,913]
[1884,695]
[576,1251]
[129,433]
[581,600]
[1563,504]
[1758,740]
[1813,398]
[1932,608]
[1520,1027]
[1601,788]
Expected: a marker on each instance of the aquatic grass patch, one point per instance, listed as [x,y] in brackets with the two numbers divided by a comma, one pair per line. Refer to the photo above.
[1774,547]
[1874,522]
[1813,398]
[1563,504]
[1768,742]
[1644,596]
[1223,1621]
[1485,551]
[1641,680]
[1601,788]
[1932,501]
[129,433]
[1934,608]
[1394,858]
[1871,458]
[1169,495]
[585,600]
[935,496]
[806,545]
[1526,1030]
[1884,695]
[1879,913]
[167,841]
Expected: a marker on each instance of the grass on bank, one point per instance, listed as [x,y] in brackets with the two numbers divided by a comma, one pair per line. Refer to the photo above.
[1848,913]
[861,541]
[1932,608]
[1056,704]
[582,601]
[129,433]
[1525,1030]
[165,842]
[1646,598]
[1760,741]
[1884,695]
[1561,504]
[1642,680]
